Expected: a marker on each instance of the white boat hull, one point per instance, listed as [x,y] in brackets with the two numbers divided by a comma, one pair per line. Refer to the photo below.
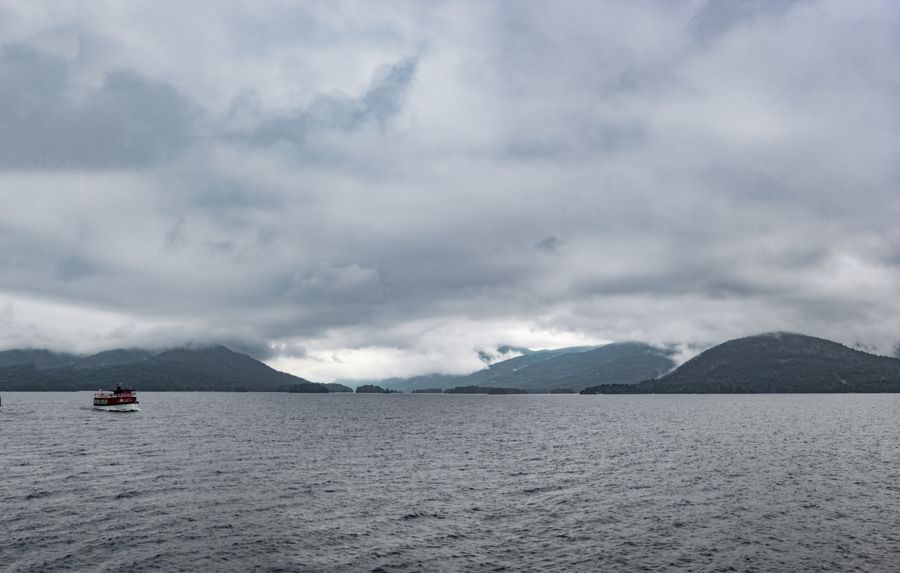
[119,408]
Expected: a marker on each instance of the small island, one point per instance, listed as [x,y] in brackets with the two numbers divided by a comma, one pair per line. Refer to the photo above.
[373,389]
[484,390]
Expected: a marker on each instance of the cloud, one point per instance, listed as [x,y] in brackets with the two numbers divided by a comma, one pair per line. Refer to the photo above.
[73,268]
[380,103]
[355,193]
[127,121]
[716,19]
[549,244]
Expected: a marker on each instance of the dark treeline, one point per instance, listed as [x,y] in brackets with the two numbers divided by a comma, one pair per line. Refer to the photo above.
[484,390]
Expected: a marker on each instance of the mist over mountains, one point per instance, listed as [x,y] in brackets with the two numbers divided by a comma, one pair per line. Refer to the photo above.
[214,368]
[774,362]
[573,368]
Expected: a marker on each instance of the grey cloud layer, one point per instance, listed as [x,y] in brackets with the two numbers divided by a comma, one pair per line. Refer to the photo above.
[379,104]
[674,173]
[127,121]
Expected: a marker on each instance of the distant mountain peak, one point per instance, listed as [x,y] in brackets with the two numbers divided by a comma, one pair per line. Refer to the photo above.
[776,362]
[211,367]
[544,370]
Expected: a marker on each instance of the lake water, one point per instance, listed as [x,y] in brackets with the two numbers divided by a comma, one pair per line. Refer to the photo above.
[293,482]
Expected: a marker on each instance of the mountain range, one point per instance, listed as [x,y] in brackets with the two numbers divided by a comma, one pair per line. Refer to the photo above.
[210,368]
[573,368]
[774,362]
[765,363]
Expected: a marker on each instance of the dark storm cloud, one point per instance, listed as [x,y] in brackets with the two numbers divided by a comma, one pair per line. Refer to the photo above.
[385,98]
[74,268]
[128,121]
[549,244]
[715,18]
[294,183]
[33,261]
[381,102]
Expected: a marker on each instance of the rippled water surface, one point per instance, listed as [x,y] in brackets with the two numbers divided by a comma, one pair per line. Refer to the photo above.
[292,482]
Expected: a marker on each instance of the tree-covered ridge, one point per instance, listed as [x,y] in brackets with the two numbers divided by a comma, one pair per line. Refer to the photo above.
[546,370]
[373,389]
[206,369]
[773,363]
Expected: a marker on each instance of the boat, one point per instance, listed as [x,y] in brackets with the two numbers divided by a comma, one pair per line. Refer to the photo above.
[119,400]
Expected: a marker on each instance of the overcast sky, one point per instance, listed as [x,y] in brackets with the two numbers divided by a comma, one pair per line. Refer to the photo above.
[372,189]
